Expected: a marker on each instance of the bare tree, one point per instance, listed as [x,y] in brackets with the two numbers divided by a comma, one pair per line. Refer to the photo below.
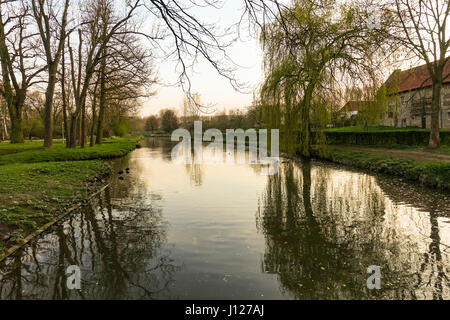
[99,27]
[64,96]
[168,120]
[94,96]
[102,106]
[151,124]
[18,59]
[52,31]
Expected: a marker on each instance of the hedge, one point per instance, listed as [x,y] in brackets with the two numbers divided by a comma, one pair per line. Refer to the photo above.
[409,138]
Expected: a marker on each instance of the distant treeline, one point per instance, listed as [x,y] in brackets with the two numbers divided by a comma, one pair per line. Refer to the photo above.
[168,120]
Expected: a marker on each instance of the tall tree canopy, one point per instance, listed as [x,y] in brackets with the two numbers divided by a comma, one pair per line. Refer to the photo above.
[311,46]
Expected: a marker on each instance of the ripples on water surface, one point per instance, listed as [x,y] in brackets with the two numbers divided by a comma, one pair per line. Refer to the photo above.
[220,231]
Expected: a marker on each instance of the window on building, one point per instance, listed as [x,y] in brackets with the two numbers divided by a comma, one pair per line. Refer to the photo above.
[447,100]
[403,100]
[448,115]
[390,111]
[403,123]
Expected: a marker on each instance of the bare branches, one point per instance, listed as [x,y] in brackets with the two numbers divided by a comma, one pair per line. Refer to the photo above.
[422,27]
[189,39]
[18,58]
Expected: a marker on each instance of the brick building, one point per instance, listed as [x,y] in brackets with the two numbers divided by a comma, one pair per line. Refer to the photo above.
[409,98]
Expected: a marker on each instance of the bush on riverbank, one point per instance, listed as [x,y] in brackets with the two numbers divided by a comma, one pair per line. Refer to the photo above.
[433,174]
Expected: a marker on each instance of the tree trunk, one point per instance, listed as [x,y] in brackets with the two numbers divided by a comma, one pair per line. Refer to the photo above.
[64,100]
[66,131]
[305,134]
[15,108]
[71,141]
[3,126]
[94,120]
[48,107]
[94,117]
[101,115]
[83,126]
[78,130]
[16,126]
[435,109]
[101,112]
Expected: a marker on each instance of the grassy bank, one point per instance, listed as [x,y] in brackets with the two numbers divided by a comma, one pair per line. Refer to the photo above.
[374,129]
[430,173]
[444,149]
[32,152]
[37,185]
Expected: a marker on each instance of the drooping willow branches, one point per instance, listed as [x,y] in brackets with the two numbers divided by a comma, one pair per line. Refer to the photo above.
[309,48]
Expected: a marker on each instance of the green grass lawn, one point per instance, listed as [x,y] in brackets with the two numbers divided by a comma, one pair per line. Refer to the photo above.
[31,194]
[444,149]
[36,184]
[33,151]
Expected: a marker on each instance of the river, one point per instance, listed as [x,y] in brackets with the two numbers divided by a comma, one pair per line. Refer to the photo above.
[169,231]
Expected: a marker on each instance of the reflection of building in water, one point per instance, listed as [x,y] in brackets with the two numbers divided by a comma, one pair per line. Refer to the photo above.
[324,227]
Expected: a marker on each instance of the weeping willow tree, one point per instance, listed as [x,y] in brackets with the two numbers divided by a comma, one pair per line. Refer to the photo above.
[308,49]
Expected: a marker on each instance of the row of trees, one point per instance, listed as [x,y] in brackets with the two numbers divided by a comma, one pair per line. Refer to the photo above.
[84,59]
[87,55]
[115,122]
[88,52]
[168,120]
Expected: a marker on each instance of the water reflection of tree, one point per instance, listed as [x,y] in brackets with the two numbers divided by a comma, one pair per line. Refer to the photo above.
[195,173]
[120,251]
[11,281]
[431,274]
[320,244]
[414,195]
[296,249]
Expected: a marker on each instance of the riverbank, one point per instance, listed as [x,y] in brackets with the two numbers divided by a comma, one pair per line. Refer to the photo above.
[428,168]
[38,185]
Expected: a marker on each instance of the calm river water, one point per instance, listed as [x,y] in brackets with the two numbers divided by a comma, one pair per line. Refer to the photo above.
[171,231]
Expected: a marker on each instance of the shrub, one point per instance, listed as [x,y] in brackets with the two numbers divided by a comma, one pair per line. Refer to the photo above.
[120,127]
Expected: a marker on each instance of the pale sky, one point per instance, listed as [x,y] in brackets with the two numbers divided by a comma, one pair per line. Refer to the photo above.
[213,88]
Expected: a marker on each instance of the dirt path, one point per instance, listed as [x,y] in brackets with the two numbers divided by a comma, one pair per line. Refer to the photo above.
[418,155]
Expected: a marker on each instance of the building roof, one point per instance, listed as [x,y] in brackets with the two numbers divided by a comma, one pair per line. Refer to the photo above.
[412,79]
[353,105]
